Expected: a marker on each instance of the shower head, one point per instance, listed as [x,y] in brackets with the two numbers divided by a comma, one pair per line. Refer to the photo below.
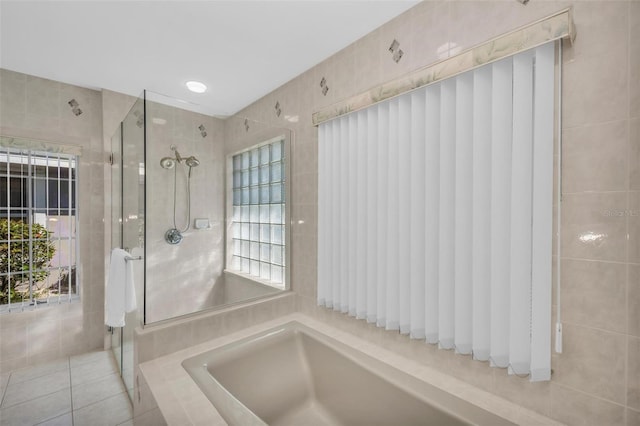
[192,161]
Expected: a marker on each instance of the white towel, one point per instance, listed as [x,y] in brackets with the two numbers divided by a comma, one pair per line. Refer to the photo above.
[120,294]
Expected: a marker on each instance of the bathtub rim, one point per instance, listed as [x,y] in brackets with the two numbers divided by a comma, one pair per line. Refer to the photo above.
[181,401]
[418,389]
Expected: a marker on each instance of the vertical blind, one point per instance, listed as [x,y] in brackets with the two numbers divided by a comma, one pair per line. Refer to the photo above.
[435,213]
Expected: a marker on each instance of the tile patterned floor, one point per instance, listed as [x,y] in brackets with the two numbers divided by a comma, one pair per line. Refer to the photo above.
[76,391]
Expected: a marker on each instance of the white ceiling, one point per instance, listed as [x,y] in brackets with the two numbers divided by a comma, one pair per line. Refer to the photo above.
[241,50]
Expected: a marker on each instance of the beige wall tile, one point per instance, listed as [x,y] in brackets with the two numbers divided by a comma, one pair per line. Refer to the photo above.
[304,265]
[305,219]
[602,26]
[592,227]
[633,417]
[201,251]
[592,361]
[594,294]
[595,89]
[634,300]
[398,29]
[367,56]
[13,96]
[633,217]
[634,59]
[577,408]
[430,26]
[633,375]
[596,99]
[47,116]
[594,158]
[43,98]
[13,342]
[634,153]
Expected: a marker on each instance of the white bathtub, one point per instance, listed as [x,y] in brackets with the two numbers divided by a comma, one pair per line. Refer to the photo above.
[294,375]
[297,370]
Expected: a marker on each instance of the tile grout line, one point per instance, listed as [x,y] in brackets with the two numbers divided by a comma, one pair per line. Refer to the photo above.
[4,392]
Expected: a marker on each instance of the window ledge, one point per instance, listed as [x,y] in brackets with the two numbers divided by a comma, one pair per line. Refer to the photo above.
[15,308]
[268,283]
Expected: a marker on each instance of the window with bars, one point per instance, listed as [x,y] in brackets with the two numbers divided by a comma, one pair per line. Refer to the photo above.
[258,215]
[38,227]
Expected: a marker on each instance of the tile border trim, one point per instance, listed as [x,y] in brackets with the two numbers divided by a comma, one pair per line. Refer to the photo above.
[557,26]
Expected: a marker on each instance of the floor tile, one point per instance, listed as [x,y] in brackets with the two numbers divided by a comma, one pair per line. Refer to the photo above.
[34,372]
[99,357]
[24,391]
[63,420]
[38,410]
[92,371]
[4,380]
[108,412]
[95,391]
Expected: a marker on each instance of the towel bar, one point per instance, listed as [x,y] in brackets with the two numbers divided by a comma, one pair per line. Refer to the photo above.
[133,258]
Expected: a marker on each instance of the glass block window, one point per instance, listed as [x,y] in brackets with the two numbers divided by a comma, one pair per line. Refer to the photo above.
[258,222]
[38,227]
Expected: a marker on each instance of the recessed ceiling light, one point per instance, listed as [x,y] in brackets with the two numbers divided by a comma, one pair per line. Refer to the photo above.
[196,86]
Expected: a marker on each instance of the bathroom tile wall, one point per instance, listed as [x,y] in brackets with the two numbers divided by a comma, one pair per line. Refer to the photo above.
[36,108]
[595,379]
[192,286]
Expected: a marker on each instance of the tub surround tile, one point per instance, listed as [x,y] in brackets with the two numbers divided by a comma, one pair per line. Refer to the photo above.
[633,217]
[162,339]
[574,407]
[603,26]
[594,294]
[595,89]
[633,374]
[595,158]
[633,300]
[633,417]
[594,226]
[634,59]
[534,396]
[150,418]
[592,361]
[175,391]
[634,152]
[144,400]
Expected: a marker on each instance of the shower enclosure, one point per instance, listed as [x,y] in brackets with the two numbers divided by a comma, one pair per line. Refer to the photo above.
[171,210]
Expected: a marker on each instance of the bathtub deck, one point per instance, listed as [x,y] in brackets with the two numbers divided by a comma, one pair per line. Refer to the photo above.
[173,389]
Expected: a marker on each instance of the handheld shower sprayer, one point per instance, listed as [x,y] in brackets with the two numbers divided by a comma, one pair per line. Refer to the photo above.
[174,235]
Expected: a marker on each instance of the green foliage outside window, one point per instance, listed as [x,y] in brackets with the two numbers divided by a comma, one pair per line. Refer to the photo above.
[14,258]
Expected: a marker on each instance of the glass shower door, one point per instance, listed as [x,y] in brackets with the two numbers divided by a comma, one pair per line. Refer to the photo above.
[128,227]
[116,223]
